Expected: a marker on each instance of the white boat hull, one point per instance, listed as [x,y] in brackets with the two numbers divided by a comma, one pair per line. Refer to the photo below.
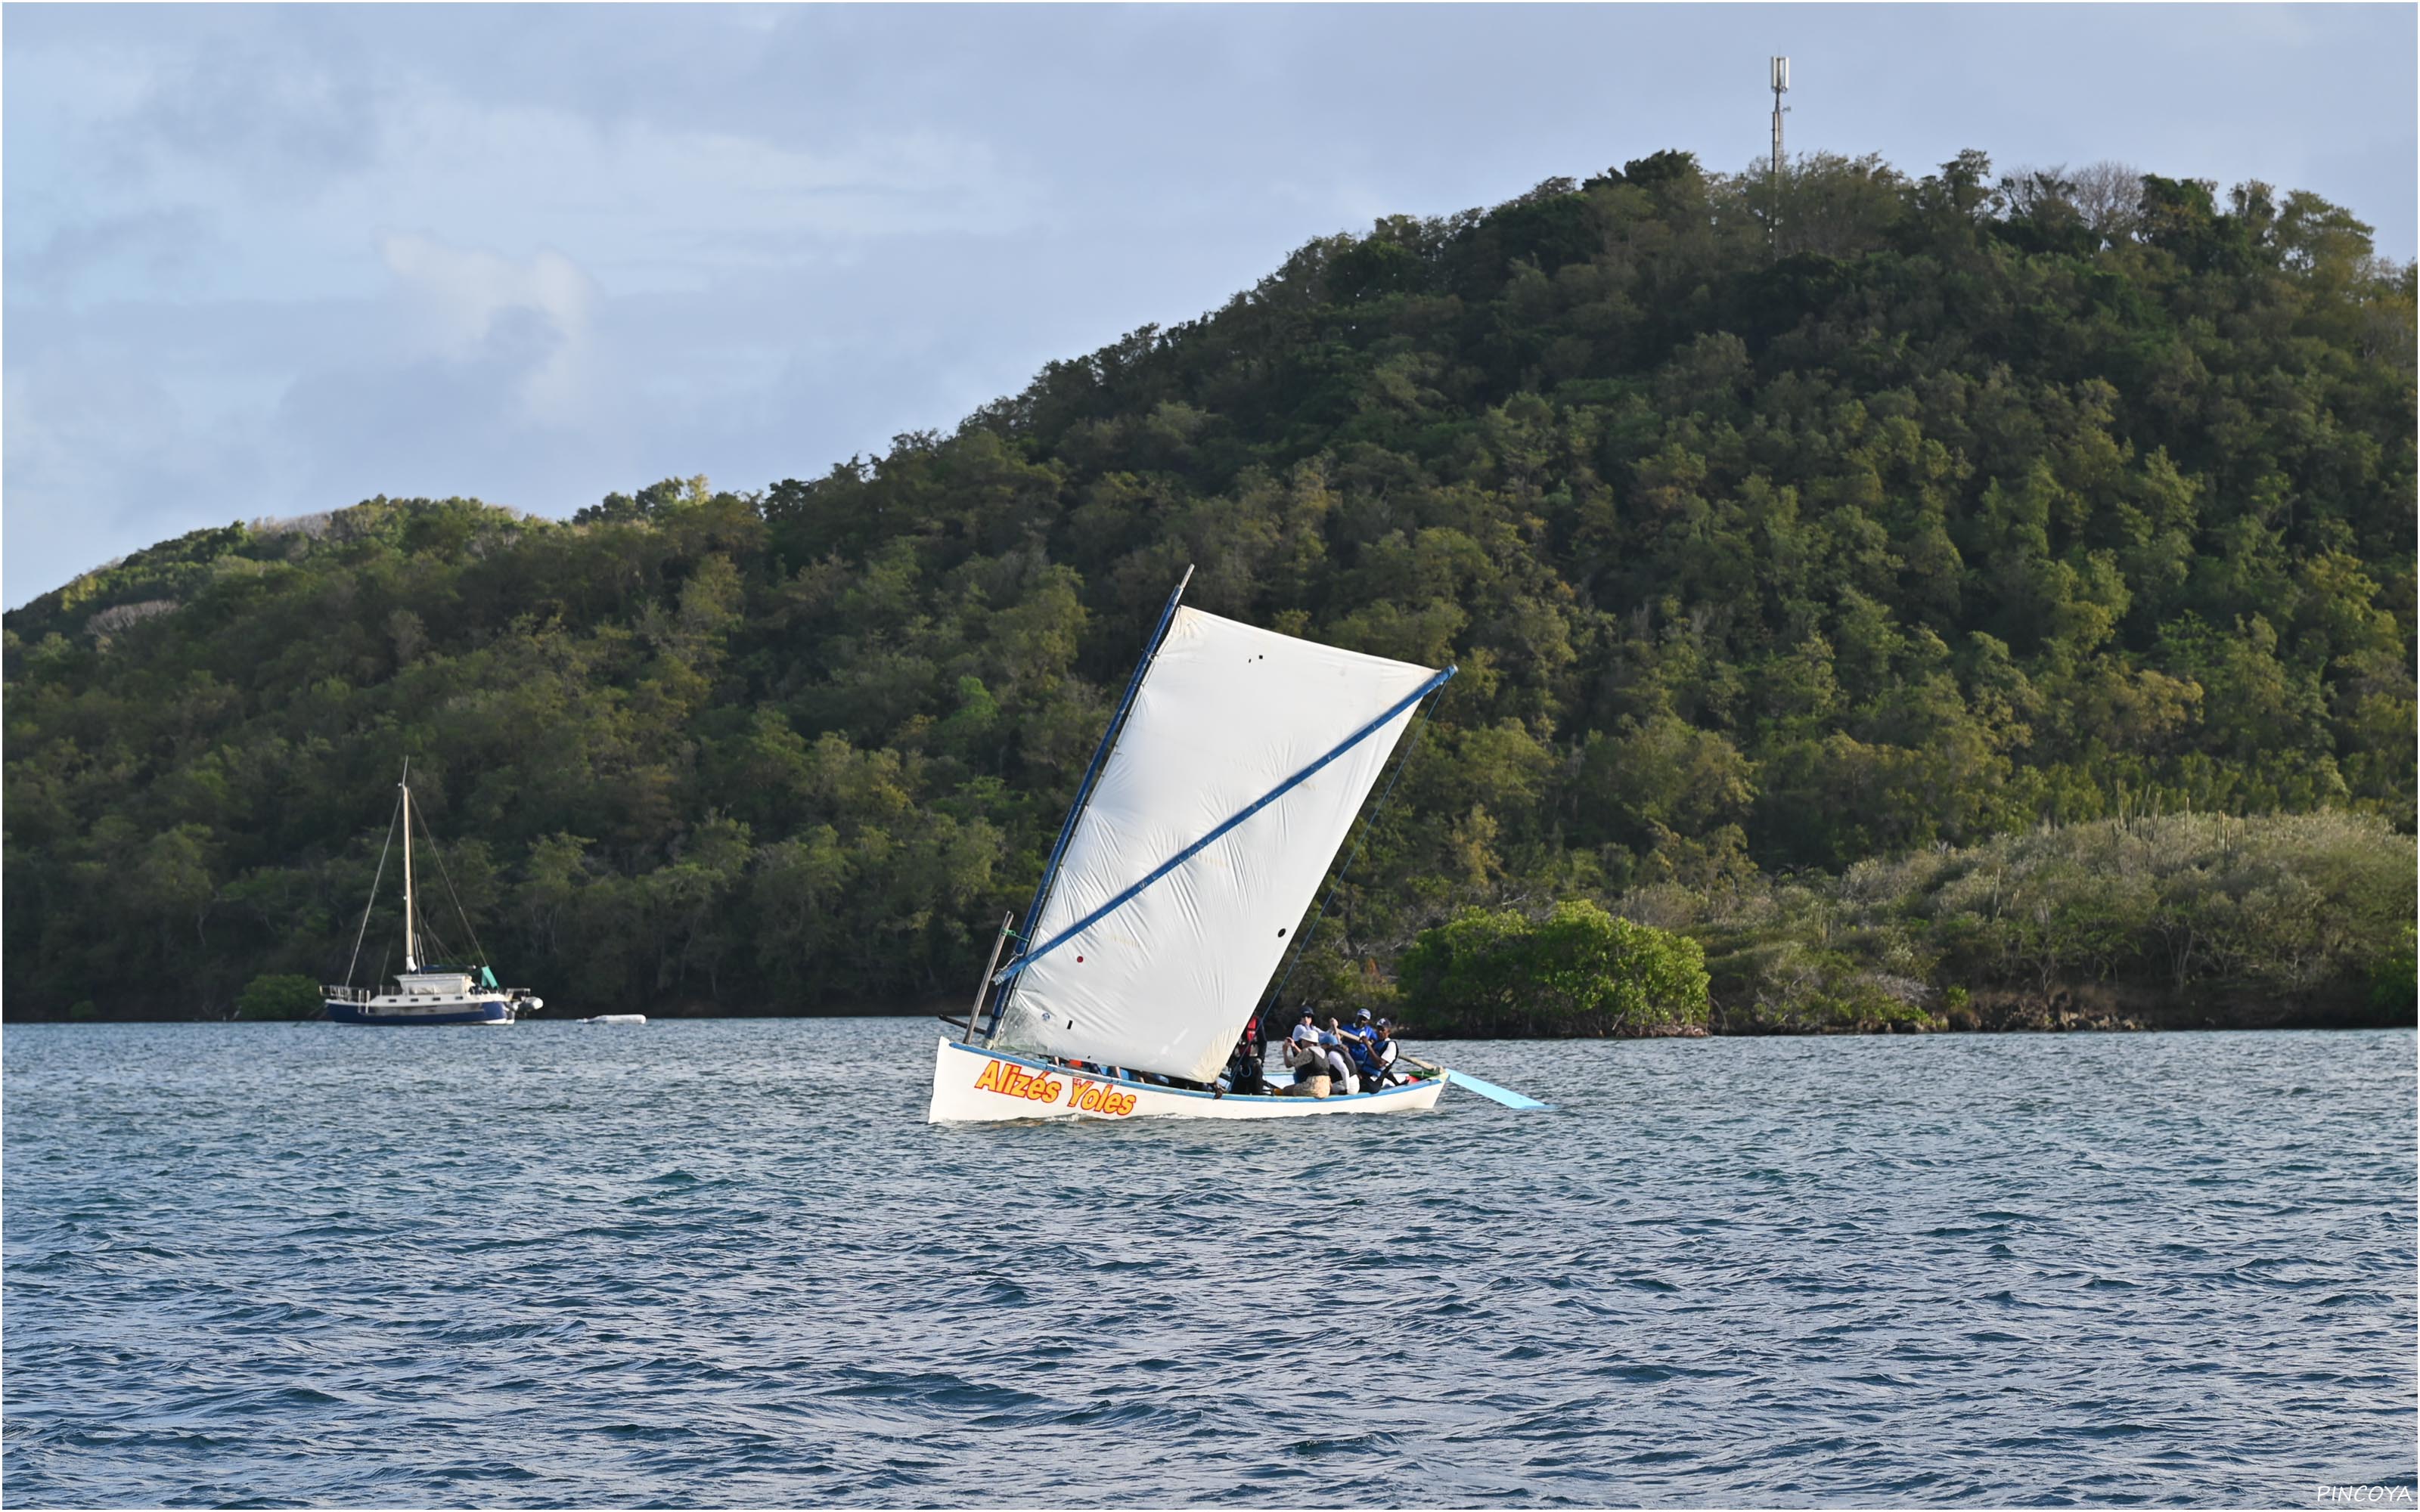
[971,1084]
[397,1009]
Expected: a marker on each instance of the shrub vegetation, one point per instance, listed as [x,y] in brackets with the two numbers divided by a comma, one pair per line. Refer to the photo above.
[282,995]
[1577,971]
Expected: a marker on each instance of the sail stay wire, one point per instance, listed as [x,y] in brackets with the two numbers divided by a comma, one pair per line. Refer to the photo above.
[364,931]
[434,947]
[477,950]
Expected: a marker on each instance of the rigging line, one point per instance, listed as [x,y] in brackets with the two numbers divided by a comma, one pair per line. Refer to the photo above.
[1009,971]
[476,948]
[434,950]
[1294,956]
[364,931]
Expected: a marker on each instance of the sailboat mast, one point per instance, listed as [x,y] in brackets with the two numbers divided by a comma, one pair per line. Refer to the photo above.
[410,936]
[1076,811]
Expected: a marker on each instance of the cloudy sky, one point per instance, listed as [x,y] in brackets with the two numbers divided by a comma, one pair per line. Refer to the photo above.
[271,260]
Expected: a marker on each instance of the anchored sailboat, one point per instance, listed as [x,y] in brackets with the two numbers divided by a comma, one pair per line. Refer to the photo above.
[1228,779]
[424,992]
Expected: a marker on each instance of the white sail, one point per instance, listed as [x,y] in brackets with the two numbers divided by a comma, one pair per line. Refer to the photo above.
[1226,715]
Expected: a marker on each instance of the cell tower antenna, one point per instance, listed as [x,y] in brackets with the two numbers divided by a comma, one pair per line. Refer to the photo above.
[1780,87]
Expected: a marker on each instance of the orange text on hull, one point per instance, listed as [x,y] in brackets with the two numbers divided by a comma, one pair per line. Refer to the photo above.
[1041,1086]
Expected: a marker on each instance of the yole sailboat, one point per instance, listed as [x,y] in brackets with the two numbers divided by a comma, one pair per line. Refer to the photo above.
[423,993]
[1228,779]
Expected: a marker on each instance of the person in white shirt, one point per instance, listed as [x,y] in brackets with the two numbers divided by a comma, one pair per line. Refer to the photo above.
[1384,1050]
[1340,1062]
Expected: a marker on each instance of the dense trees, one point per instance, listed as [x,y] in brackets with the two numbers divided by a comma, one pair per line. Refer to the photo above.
[1775,530]
[279,995]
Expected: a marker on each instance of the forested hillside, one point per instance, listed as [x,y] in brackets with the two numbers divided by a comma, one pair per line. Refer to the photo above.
[1772,533]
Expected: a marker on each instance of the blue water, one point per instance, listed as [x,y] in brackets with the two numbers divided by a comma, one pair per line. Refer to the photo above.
[712,1262]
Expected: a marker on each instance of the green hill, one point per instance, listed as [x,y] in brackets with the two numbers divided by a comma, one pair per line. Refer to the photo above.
[1879,518]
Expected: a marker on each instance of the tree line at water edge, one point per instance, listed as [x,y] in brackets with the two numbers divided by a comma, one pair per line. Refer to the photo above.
[1889,522]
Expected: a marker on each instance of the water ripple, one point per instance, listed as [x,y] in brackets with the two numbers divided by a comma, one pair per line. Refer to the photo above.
[724,1262]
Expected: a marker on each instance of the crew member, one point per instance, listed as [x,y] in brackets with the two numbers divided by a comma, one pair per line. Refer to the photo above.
[1384,1050]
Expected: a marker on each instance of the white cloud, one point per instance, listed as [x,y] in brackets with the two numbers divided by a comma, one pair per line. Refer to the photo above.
[267,259]
[461,295]
[656,205]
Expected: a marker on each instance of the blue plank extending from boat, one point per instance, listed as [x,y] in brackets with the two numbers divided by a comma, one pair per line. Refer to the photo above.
[1494,1093]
